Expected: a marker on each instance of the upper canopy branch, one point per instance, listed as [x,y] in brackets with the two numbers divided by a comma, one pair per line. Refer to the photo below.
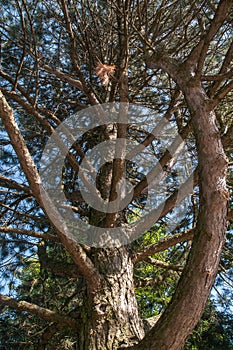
[157,57]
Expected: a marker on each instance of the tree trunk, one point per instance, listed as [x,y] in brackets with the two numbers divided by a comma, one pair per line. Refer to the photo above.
[192,292]
[110,317]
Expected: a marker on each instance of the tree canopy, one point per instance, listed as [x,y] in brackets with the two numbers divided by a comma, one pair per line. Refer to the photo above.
[164,70]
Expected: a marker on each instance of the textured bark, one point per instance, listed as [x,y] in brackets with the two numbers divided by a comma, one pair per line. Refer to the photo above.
[188,302]
[76,251]
[110,317]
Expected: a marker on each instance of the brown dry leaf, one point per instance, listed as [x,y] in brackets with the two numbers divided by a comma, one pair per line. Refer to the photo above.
[104,72]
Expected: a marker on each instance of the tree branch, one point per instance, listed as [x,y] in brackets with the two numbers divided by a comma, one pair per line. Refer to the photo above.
[77,252]
[167,160]
[220,16]
[31,106]
[11,184]
[157,58]
[36,310]
[218,77]
[17,231]
[230,215]
[222,93]
[47,334]
[202,265]
[223,74]
[163,245]
[227,138]
[163,264]
[63,76]
[178,195]
[57,268]
[28,108]
[91,96]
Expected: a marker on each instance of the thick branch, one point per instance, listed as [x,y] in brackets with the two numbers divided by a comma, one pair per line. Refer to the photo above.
[78,254]
[160,60]
[36,310]
[163,245]
[199,273]
[119,161]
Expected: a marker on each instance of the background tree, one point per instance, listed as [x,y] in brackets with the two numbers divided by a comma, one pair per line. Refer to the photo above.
[57,58]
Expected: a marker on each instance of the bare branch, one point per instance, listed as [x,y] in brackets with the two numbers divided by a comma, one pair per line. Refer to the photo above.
[17,231]
[11,184]
[29,108]
[63,76]
[163,245]
[163,264]
[167,160]
[220,16]
[36,310]
[224,73]
[78,254]
[227,138]
[218,77]
[92,98]
[222,93]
